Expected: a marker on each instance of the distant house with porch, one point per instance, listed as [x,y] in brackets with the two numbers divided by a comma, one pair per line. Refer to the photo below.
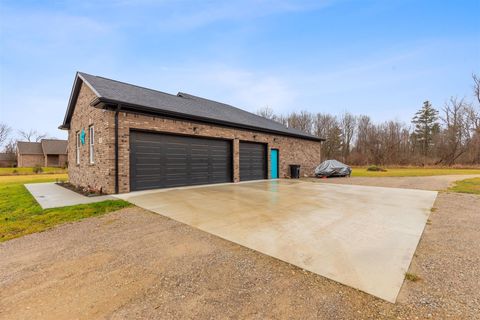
[46,153]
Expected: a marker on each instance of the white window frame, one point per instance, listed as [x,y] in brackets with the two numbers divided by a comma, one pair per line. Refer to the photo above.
[77,147]
[91,143]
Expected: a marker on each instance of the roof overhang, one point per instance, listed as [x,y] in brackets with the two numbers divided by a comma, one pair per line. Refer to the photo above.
[109,104]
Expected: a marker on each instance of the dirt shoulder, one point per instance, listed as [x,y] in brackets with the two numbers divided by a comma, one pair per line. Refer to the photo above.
[434,183]
[135,264]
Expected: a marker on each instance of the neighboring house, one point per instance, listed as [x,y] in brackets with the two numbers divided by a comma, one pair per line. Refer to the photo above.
[46,153]
[123,137]
[7,160]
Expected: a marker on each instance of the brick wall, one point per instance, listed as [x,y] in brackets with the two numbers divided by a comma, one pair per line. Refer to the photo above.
[30,160]
[101,175]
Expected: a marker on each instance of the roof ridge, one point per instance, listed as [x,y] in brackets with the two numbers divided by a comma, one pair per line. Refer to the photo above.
[127,83]
[202,98]
[242,110]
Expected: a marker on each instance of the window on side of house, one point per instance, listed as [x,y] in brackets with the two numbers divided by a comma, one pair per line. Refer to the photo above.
[91,143]
[77,147]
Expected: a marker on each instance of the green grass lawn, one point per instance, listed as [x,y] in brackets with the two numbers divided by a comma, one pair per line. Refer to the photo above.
[410,172]
[29,170]
[20,214]
[467,186]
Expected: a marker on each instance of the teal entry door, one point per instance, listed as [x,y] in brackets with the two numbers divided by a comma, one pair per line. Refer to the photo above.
[274,163]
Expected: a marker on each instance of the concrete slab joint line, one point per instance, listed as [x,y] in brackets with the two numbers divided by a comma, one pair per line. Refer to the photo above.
[360,236]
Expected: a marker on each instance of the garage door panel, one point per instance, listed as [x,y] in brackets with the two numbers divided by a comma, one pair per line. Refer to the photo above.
[253,161]
[145,160]
[162,160]
[146,172]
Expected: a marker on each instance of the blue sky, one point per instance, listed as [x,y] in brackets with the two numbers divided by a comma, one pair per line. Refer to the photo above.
[380,58]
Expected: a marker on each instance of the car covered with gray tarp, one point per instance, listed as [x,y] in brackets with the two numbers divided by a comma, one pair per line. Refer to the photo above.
[332,168]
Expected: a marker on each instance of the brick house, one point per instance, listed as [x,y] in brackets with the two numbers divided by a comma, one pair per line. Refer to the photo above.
[46,153]
[123,138]
[7,160]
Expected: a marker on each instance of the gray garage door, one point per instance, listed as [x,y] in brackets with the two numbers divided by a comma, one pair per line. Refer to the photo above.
[253,161]
[162,161]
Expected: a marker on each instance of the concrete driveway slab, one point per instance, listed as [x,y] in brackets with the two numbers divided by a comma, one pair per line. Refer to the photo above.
[363,237]
[51,195]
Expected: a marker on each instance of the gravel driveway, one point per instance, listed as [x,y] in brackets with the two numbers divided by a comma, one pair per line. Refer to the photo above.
[134,264]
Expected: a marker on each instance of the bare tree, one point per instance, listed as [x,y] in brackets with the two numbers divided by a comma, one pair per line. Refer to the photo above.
[361,148]
[347,125]
[281,119]
[326,126]
[4,132]
[31,135]
[474,115]
[374,145]
[457,133]
[476,86]
[267,113]
[393,140]
[10,147]
[302,121]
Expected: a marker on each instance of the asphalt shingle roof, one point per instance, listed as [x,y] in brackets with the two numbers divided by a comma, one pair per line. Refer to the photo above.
[184,105]
[54,146]
[25,147]
[45,146]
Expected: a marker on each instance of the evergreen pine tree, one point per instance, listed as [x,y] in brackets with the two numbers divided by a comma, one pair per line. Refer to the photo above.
[426,126]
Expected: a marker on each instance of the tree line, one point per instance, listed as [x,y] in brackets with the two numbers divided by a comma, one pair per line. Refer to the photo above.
[435,136]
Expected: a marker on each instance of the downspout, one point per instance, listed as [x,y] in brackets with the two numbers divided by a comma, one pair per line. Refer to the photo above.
[116,149]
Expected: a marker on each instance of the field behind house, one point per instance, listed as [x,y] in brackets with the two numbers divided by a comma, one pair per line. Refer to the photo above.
[29,171]
[411,172]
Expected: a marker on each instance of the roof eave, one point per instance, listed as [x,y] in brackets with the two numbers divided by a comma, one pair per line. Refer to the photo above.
[104,103]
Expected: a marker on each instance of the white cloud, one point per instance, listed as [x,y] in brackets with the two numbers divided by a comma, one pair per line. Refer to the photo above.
[251,90]
[46,27]
[244,88]
[194,14]
[242,10]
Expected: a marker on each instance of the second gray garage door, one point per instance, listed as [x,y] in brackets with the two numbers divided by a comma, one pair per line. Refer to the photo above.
[163,161]
[253,161]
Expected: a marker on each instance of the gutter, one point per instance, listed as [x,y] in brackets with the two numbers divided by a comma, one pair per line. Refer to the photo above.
[117,110]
